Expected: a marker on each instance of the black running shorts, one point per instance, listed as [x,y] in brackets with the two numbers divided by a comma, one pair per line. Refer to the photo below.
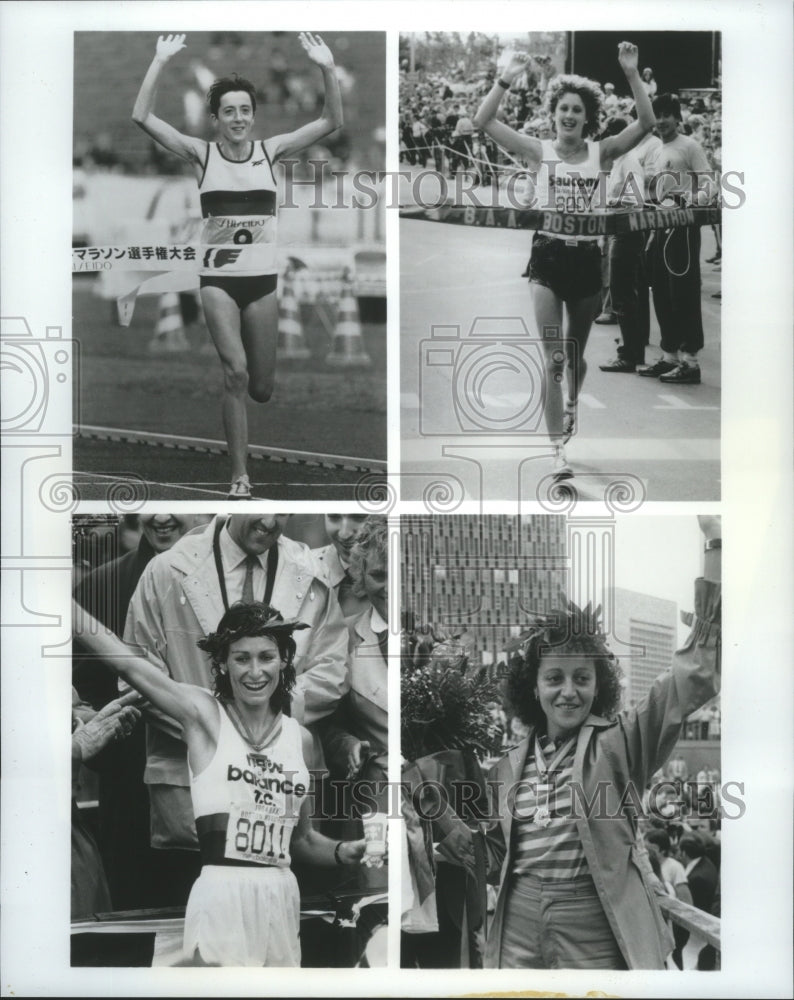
[243,289]
[571,272]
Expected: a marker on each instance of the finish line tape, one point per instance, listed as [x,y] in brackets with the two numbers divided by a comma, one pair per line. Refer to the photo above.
[567,224]
[210,446]
[155,269]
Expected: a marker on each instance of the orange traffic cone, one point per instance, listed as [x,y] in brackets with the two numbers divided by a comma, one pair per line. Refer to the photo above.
[291,342]
[347,348]
[169,334]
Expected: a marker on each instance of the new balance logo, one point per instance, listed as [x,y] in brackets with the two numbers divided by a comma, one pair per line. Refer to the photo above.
[219,257]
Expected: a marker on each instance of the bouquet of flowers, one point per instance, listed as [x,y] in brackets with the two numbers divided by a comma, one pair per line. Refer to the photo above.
[444,704]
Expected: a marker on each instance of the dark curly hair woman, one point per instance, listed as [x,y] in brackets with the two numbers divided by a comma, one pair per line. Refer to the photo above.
[568,644]
[574,878]
[569,174]
[249,768]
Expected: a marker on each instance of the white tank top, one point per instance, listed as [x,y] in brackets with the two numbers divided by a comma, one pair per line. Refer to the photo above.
[238,203]
[246,802]
[571,187]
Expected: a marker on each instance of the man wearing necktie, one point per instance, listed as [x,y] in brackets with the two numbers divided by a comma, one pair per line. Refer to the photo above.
[180,599]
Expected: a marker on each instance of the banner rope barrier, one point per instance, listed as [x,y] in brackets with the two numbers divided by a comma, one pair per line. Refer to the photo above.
[566,224]
[157,268]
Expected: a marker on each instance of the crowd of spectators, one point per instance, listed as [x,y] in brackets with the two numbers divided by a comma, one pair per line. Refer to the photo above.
[288,94]
[436,112]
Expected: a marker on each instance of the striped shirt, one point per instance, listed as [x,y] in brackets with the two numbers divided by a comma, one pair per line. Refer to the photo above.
[547,843]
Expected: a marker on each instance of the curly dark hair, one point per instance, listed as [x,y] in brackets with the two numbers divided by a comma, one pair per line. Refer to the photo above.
[226,84]
[590,92]
[575,631]
[253,619]
[372,538]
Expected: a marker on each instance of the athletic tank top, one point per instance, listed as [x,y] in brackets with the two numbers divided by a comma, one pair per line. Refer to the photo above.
[246,802]
[570,187]
[238,203]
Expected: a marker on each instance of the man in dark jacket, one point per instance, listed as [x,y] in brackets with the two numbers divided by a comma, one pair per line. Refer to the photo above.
[701,874]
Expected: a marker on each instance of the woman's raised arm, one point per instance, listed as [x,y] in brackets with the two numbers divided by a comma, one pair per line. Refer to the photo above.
[650,729]
[485,119]
[182,702]
[331,117]
[143,115]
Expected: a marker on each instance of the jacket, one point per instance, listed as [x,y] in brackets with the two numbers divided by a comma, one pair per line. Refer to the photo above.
[177,602]
[363,712]
[613,761]
[351,605]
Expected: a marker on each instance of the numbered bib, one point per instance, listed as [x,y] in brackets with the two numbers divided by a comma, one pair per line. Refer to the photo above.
[575,197]
[259,835]
[239,230]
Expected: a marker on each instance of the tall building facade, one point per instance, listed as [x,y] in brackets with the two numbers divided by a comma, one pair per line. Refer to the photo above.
[481,574]
[647,626]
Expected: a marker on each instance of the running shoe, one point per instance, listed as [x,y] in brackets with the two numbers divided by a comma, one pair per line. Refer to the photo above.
[658,368]
[561,468]
[606,318]
[715,259]
[240,489]
[683,374]
[619,365]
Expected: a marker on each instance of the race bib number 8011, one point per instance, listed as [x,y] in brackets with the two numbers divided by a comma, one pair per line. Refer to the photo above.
[259,835]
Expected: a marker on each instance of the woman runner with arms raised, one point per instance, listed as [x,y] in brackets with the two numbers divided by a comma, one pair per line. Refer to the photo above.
[571,177]
[238,202]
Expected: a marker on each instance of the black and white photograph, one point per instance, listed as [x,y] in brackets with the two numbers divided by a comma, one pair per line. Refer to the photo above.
[394,400]
[561,248]
[564,801]
[229,740]
[229,295]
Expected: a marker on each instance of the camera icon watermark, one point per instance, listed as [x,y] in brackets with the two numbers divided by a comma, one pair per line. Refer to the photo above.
[38,379]
[493,380]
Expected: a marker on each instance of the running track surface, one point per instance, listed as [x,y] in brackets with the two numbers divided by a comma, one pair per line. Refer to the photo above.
[667,437]
[141,472]
[314,409]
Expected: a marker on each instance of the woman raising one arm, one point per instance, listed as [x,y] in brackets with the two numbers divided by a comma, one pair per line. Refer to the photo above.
[573,876]
[250,785]
[565,273]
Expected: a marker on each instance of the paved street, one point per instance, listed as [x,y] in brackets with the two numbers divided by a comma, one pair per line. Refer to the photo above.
[666,437]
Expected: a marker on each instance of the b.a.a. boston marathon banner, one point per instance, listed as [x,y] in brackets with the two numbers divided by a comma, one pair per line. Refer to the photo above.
[567,224]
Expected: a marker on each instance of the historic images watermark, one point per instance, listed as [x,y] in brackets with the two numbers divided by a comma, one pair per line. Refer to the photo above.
[367,189]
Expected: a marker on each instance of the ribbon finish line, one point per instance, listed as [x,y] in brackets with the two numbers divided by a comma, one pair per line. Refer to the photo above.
[154,269]
[566,223]
[175,257]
